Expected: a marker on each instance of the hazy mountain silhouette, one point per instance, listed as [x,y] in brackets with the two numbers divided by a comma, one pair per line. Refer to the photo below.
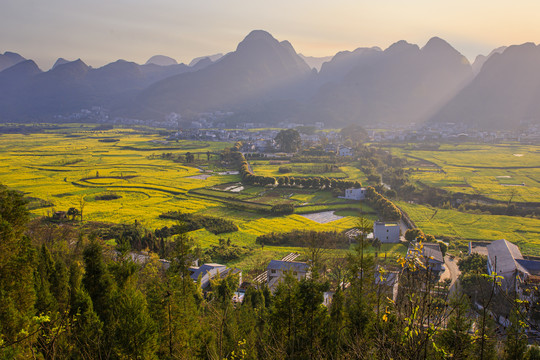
[481,59]
[315,62]
[161,60]
[212,58]
[504,93]
[261,69]
[401,85]
[60,61]
[13,81]
[70,86]
[344,61]
[9,59]
[265,80]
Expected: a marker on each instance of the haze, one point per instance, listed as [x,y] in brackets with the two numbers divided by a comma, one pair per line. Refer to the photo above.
[101,31]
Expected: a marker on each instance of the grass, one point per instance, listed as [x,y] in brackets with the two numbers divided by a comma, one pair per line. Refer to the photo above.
[490,170]
[465,226]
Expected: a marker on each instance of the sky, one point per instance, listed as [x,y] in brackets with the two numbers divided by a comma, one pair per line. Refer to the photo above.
[103,31]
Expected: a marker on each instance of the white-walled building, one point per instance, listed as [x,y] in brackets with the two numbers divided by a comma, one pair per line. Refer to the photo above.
[355,193]
[345,151]
[277,270]
[386,232]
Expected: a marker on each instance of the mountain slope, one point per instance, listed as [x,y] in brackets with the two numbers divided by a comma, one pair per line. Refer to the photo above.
[161,60]
[505,92]
[9,59]
[402,85]
[261,69]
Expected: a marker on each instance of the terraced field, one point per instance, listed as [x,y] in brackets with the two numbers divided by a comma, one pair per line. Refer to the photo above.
[79,166]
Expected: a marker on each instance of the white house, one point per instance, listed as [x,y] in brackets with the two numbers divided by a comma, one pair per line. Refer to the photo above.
[345,151]
[355,193]
[386,232]
[277,269]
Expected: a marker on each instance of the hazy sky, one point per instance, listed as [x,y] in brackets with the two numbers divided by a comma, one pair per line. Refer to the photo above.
[101,31]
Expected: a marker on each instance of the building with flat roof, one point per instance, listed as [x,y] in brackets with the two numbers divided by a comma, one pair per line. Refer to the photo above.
[386,232]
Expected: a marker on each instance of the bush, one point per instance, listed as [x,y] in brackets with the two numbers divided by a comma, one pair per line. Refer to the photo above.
[303,238]
[284,169]
[282,209]
[194,222]
[226,251]
[108,196]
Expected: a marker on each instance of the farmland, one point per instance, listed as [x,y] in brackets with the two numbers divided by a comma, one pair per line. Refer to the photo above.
[123,176]
[81,167]
[525,232]
[501,172]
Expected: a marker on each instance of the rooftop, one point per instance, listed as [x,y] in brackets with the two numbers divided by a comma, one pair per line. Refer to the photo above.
[288,265]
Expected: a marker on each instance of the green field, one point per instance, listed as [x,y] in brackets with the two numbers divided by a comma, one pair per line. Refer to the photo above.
[500,172]
[67,167]
[525,232]
[74,165]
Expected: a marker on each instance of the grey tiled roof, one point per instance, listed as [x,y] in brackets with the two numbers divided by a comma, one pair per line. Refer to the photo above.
[504,254]
[287,265]
[433,251]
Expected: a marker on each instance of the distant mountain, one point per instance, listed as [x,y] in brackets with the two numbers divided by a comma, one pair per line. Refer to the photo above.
[9,59]
[60,61]
[19,72]
[315,62]
[161,60]
[401,85]
[266,81]
[13,81]
[70,86]
[212,58]
[505,92]
[343,62]
[261,69]
[481,59]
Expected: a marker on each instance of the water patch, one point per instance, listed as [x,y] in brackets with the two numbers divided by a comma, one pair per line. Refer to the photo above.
[234,188]
[199,177]
[323,217]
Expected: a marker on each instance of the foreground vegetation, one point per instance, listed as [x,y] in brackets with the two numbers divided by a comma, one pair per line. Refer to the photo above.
[78,299]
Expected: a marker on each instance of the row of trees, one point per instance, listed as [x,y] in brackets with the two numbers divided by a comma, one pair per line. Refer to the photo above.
[322,183]
[195,221]
[387,209]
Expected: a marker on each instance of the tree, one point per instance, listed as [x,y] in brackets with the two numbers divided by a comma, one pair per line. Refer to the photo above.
[456,339]
[73,212]
[135,335]
[288,140]
[17,256]
[97,281]
[516,342]
[413,234]
[355,134]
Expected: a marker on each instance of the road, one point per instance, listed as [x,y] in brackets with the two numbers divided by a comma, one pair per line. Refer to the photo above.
[452,272]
